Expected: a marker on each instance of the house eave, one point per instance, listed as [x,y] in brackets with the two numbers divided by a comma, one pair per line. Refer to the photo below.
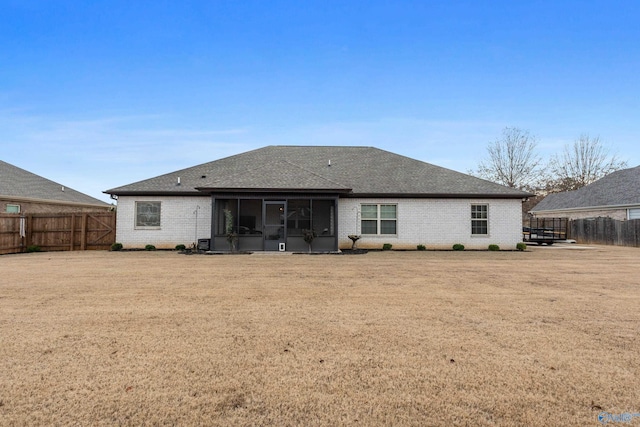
[274,190]
[438,196]
[585,209]
[346,193]
[53,202]
[155,193]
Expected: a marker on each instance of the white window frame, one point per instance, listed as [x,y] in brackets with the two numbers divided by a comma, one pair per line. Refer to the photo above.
[12,205]
[475,219]
[379,219]
[139,226]
[633,213]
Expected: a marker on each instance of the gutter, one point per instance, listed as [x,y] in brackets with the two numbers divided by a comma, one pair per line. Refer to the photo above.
[586,208]
[342,192]
[438,196]
[54,202]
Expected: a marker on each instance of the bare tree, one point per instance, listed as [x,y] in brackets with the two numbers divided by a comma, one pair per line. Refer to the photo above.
[582,163]
[512,160]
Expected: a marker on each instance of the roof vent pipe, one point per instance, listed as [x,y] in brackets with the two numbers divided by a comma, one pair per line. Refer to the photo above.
[329,164]
[178,180]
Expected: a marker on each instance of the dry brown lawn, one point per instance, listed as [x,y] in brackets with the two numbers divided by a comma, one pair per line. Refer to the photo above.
[544,337]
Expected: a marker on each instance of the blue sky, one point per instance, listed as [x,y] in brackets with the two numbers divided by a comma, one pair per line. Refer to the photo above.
[99,94]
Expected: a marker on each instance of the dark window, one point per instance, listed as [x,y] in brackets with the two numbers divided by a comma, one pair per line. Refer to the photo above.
[479,219]
[250,217]
[298,216]
[323,217]
[226,216]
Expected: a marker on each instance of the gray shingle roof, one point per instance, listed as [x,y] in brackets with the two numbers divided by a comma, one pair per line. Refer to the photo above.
[353,170]
[19,183]
[616,189]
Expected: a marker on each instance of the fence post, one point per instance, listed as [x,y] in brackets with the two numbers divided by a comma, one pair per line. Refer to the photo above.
[72,231]
[83,239]
[22,233]
[27,227]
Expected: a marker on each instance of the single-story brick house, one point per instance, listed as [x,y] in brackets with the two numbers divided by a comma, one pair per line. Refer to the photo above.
[23,192]
[268,197]
[616,196]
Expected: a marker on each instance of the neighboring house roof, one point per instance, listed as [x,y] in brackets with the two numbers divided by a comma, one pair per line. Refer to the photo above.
[19,184]
[354,171]
[618,189]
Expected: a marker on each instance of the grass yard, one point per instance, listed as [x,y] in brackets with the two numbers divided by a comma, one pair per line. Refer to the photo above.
[537,338]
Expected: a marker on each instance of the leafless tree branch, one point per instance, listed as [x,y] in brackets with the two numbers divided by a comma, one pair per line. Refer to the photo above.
[582,163]
[512,160]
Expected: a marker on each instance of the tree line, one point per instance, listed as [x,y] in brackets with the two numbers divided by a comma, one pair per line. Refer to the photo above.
[513,160]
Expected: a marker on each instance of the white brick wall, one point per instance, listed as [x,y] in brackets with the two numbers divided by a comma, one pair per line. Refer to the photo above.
[177,222]
[436,223]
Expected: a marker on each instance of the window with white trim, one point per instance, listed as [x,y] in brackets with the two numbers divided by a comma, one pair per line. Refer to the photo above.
[479,220]
[14,209]
[148,214]
[378,219]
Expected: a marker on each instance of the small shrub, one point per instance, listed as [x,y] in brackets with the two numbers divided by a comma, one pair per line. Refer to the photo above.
[521,246]
[458,247]
[421,247]
[308,236]
[494,247]
[386,246]
[116,247]
[180,247]
[34,248]
[149,248]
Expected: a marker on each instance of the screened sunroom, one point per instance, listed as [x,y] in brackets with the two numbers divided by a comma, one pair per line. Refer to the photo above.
[274,222]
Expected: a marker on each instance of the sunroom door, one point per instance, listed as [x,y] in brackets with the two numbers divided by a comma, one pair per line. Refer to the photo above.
[274,231]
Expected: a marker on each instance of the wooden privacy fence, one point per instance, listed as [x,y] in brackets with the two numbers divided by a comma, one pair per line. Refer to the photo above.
[606,231]
[57,232]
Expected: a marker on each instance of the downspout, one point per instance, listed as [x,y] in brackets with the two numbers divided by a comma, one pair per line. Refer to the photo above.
[336,230]
[196,213]
[212,244]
